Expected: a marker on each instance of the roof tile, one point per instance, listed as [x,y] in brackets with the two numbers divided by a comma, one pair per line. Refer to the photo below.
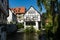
[20,10]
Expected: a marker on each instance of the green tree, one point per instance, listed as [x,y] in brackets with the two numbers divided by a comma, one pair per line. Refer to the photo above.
[53,9]
[50,6]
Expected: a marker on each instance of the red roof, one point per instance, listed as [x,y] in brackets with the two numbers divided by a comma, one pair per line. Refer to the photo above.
[20,10]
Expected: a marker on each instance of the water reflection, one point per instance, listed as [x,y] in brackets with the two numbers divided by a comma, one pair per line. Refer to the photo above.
[29,36]
[32,36]
[23,36]
[17,36]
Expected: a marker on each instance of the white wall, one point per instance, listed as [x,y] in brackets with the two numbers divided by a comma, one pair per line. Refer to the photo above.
[11,17]
[35,26]
[21,19]
[32,15]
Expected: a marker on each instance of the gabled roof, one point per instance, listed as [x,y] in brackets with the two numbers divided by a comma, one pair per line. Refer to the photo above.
[31,7]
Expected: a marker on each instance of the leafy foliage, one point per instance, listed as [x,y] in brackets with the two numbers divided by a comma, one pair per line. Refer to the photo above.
[30,29]
[20,25]
[50,14]
[53,9]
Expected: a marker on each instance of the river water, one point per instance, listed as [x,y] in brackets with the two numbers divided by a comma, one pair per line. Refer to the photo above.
[23,36]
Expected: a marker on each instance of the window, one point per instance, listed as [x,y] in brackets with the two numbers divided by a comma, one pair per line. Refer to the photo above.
[2,1]
[15,10]
[19,10]
[0,15]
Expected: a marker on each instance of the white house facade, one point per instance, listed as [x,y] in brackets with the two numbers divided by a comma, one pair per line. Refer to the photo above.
[19,13]
[32,17]
[20,18]
[11,17]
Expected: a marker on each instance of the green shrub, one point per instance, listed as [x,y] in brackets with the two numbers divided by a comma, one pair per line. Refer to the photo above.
[30,30]
[49,27]
[38,31]
[27,30]
[20,25]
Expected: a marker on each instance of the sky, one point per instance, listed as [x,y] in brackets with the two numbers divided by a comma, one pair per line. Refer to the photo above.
[24,3]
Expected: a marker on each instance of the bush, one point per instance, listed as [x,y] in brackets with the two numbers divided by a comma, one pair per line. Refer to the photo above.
[30,30]
[49,27]
[27,30]
[38,31]
[20,25]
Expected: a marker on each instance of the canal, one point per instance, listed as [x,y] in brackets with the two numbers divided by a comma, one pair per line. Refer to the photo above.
[23,36]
